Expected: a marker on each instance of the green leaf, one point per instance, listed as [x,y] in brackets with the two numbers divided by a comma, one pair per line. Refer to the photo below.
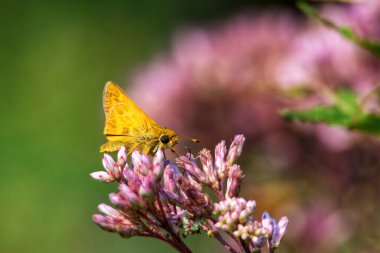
[369,123]
[319,114]
[369,45]
[347,101]
[346,112]
[307,9]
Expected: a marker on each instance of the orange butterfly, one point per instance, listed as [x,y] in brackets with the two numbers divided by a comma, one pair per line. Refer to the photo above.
[127,125]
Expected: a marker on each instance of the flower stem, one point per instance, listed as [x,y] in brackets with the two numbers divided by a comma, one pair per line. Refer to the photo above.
[219,237]
[228,247]
[213,221]
[245,246]
[182,247]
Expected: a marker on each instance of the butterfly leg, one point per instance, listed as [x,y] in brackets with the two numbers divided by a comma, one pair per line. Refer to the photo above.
[174,152]
[190,153]
[187,148]
[133,148]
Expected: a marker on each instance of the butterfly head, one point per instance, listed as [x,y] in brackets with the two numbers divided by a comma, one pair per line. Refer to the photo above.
[168,138]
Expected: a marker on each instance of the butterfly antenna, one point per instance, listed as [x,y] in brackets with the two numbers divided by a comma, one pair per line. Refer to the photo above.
[195,140]
[174,152]
[187,148]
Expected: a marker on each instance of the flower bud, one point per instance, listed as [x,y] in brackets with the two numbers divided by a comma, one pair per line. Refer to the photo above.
[109,211]
[146,165]
[117,200]
[279,232]
[147,189]
[130,196]
[102,176]
[235,176]
[102,222]
[169,183]
[136,161]
[220,165]
[158,165]
[268,223]
[122,157]
[250,206]
[207,165]
[111,166]
[132,179]
[192,168]
[243,217]
[235,149]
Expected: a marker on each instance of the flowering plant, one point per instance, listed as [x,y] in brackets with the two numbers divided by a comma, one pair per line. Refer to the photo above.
[165,200]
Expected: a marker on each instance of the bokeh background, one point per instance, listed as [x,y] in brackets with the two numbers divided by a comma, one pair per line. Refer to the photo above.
[209,69]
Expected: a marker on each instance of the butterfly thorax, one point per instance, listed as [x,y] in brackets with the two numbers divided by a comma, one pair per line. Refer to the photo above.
[150,142]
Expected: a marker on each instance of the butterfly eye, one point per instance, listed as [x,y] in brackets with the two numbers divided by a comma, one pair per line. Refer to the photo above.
[164,139]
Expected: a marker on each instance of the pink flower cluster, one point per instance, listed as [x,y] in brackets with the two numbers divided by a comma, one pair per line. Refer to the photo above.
[160,199]
[236,215]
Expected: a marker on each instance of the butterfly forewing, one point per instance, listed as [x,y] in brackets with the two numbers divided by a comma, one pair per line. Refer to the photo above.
[123,116]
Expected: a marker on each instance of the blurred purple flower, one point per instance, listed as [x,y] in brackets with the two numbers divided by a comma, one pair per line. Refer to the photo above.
[209,70]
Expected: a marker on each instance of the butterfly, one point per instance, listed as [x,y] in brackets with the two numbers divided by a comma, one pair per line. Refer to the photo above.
[127,125]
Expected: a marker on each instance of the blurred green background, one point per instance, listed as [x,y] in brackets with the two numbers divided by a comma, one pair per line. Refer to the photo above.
[55,59]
